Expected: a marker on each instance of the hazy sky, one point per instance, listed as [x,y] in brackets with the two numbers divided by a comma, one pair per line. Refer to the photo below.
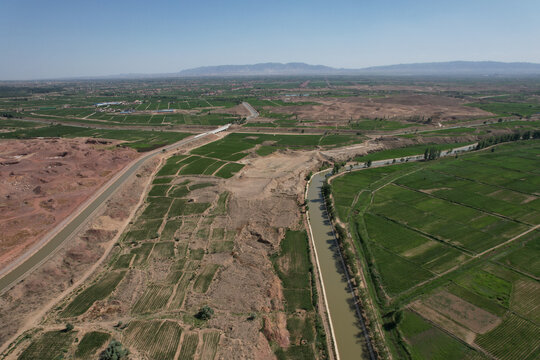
[54,38]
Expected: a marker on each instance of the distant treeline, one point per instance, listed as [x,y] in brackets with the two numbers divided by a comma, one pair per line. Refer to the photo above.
[515,136]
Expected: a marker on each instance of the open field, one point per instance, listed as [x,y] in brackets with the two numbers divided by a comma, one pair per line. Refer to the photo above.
[444,223]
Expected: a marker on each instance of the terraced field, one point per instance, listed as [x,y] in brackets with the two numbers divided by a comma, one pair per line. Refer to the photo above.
[463,231]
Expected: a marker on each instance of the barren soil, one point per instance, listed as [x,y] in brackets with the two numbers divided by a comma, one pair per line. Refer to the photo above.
[399,107]
[45,180]
[23,305]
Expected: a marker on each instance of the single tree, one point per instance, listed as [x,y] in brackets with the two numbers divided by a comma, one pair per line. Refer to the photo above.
[114,351]
[205,313]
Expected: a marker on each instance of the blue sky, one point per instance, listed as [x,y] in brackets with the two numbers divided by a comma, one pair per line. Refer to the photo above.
[53,38]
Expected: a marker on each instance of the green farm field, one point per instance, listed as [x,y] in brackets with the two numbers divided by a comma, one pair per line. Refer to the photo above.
[139,140]
[463,230]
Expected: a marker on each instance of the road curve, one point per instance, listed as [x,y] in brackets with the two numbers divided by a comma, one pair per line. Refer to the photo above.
[69,227]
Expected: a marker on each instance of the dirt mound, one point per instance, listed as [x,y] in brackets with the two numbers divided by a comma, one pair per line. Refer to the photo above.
[42,181]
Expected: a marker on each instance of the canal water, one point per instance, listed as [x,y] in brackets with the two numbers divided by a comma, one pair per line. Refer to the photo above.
[348,335]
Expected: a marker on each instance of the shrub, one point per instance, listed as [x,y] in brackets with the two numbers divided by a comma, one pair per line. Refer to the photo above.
[205,313]
[115,351]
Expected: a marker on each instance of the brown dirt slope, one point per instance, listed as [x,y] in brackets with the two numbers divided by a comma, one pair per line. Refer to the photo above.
[42,181]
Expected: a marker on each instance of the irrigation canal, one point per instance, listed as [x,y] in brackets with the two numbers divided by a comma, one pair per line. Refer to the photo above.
[349,331]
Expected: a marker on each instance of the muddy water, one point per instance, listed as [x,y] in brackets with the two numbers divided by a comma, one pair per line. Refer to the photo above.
[350,340]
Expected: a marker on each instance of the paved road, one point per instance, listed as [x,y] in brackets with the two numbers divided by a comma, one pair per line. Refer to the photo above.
[51,242]
[253,113]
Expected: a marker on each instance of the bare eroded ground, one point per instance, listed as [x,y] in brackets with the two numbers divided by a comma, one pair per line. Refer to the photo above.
[398,107]
[42,181]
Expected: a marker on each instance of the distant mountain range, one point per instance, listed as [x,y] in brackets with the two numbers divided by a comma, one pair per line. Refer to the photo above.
[454,68]
[449,69]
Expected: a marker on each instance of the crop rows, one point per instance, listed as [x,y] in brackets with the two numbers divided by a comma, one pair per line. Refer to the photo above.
[100,290]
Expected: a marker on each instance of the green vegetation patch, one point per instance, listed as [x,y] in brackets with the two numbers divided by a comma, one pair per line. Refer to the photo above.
[210,345]
[51,345]
[488,285]
[162,180]
[159,190]
[221,246]
[141,253]
[428,342]
[516,338]
[182,207]
[98,291]
[189,346]
[509,109]
[123,261]
[202,283]
[229,170]
[157,208]
[170,228]
[293,267]
[153,299]
[525,256]
[405,152]
[158,339]
[91,342]
[139,140]
[392,267]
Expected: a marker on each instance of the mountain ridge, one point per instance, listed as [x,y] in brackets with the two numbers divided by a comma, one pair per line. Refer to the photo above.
[456,68]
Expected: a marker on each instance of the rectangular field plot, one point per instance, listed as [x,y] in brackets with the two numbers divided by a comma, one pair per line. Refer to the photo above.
[202,283]
[391,268]
[157,208]
[170,229]
[210,345]
[427,253]
[123,261]
[488,198]
[172,165]
[197,167]
[98,291]
[158,339]
[466,227]
[524,256]
[153,299]
[181,207]
[293,268]
[163,250]
[50,346]
[91,342]
[189,346]
[143,230]
[141,253]
[229,170]
[514,339]
[429,343]
[159,190]
[345,188]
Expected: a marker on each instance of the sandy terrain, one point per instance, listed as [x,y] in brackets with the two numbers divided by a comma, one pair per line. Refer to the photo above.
[44,180]
[24,305]
[399,107]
